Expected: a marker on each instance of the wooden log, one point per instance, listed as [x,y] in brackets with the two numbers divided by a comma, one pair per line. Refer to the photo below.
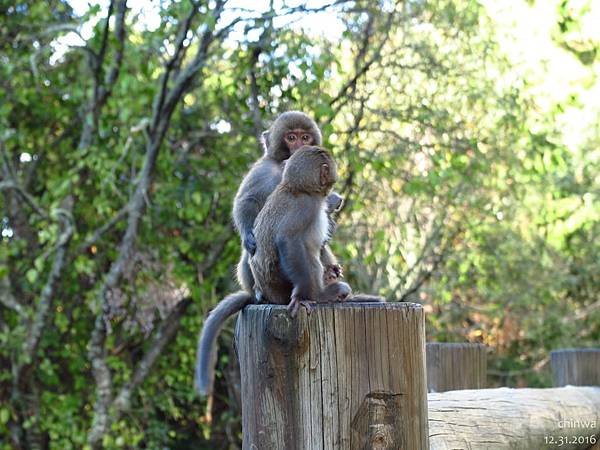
[452,366]
[516,419]
[576,366]
[347,376]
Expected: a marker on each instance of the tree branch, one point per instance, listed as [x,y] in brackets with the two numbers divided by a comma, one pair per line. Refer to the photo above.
[8,299]
[6,185]
[101,92]
[35,331]
[342,96]
[112,75]
[161,338]
[171,64]
[425,274]
[96,235]
[102,52]
[257,49]
[136,207]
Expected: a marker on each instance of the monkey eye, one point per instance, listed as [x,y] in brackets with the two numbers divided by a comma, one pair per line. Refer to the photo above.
[306,137]
[291,137]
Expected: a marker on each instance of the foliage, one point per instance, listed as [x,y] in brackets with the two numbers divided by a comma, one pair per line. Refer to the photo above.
[462,193]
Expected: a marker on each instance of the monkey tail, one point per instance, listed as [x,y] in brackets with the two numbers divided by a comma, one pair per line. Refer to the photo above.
[206,356]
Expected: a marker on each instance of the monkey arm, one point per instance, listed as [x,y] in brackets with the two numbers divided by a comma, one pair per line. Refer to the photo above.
[327,257]
[245,209]
[251,197]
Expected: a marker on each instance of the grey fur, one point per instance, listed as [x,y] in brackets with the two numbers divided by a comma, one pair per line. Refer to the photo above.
[291,230]
[206,356]
[261,180]
[257,185]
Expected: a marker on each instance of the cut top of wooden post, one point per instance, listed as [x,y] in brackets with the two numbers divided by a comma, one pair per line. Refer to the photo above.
[348,376]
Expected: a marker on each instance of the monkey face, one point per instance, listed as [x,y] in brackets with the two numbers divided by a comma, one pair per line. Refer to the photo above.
[294,139]
[289,132]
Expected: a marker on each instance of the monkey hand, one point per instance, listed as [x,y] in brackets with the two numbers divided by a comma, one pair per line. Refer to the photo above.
[249,242]
[332,273]
[334,202]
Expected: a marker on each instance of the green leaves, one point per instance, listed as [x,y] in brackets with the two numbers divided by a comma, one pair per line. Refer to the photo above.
[456,182]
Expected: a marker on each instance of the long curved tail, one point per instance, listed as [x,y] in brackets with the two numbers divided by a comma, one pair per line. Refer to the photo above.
[206,356]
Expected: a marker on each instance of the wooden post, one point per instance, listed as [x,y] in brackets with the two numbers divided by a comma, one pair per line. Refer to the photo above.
[576,366]
[456,366]
[347,376]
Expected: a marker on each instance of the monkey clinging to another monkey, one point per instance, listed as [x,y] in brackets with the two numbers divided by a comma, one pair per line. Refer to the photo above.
[291,230]
[289,132]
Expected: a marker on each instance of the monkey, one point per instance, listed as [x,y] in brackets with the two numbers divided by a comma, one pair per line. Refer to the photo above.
[291,231]
[290,131]
[231,304]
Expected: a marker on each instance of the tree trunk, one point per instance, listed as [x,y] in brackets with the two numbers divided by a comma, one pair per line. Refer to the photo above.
[347,376]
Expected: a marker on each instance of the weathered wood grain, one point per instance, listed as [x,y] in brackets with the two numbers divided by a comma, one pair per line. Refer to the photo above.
[347,376]
[452,366]
[519,419]
[576,366]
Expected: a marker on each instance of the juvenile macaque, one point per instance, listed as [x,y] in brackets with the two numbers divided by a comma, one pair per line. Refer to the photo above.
[207,348]
[289,132]
[292,229]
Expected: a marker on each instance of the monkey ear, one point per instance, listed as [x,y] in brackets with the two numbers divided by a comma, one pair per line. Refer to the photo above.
[324,175]
[265,139]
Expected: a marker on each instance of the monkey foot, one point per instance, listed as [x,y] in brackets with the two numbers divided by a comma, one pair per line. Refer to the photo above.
[295,304]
